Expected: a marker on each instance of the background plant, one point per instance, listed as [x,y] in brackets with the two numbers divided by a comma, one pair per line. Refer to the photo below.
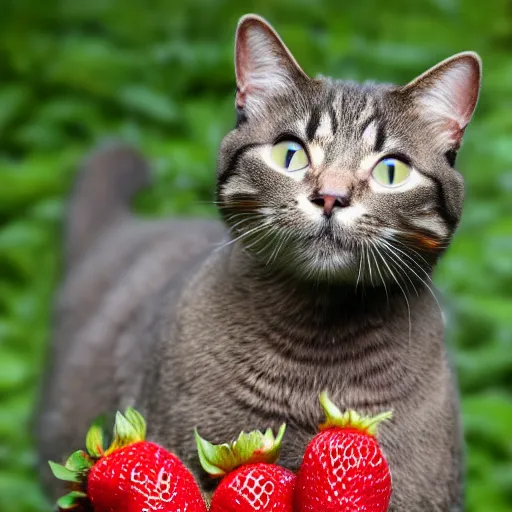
[159,74]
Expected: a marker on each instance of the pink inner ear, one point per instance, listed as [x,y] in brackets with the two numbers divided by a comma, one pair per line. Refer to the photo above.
[454,130]
[242,64]
[447,95]
[245,65]
[464,97]
[240,99]
[263,64]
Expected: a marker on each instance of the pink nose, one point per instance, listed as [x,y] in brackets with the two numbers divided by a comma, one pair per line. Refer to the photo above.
[329,201]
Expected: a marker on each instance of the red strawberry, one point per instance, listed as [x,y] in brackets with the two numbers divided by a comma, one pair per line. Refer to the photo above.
[132,475]
[251,481]
[343,466]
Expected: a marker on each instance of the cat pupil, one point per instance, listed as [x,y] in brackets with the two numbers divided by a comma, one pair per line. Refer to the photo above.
[391,173]
[289,156]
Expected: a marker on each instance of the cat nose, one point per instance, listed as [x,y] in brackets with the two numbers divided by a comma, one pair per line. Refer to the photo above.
[330,200]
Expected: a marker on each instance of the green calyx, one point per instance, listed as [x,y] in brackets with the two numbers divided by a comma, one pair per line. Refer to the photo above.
[249,448]
[350,419]
[71,500]
[75,472]
[128,429]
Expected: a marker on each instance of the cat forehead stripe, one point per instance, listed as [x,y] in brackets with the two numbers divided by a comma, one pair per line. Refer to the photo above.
[324,129]
[369,134]
[373,129]
[334,119]
[322,123]
[313,123]
[380,138]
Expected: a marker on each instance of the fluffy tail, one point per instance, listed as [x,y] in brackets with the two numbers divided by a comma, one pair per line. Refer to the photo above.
[105,186]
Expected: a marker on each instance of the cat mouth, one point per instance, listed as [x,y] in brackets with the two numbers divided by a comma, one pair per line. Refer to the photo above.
[327,231]
[332,250]
[333,237]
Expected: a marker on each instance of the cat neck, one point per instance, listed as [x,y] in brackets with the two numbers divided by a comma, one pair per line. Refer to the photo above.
[318,310]
[313,333]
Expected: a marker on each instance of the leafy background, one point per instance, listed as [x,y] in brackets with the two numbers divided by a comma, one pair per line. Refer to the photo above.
[159,74]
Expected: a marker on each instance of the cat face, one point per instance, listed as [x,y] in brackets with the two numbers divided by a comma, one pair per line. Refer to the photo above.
[339,181]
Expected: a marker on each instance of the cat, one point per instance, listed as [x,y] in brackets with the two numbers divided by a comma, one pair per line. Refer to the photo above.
[337,201]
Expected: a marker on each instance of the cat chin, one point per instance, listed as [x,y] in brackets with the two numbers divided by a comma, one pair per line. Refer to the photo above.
[340,266]
[309,260]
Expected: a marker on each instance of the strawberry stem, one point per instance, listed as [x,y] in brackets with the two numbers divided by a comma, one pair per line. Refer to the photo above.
[249,448]
[128,429]
[350,418]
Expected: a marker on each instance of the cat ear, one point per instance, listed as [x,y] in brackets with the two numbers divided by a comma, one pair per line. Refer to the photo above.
[263,65]
[447,95]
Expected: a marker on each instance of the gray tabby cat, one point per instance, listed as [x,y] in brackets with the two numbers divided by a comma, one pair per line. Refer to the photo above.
[339,199]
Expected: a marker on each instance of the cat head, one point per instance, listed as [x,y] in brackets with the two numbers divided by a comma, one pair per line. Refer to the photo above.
[339,181]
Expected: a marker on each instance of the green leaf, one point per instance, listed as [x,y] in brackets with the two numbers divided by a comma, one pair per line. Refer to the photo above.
[208,452]
[12,100]
[125,432]
[123,429]
[137,420]
[350,419]
[63,473]
[13,370]
[274,442]
[147,101]
[94,441]
[70,500]
[79,462]
[331,411]
[249,448]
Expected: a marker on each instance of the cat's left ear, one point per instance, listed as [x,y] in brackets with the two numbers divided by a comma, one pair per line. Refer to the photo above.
[446,95]
[263,64]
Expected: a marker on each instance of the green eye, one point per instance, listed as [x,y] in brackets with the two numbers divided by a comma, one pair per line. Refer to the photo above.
[290,156]
[391,172]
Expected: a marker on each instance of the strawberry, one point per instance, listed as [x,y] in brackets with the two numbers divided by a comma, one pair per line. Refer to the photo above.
[132,475]
[343,466]
[251,482]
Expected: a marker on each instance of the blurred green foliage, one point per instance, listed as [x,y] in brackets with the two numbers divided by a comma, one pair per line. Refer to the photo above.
[159,74]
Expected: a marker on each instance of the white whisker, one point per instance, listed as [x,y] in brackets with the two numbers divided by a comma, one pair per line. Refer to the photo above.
[369,264]
[281,244]
[386,248]
[403,292]
[393,239]
[241,222]
[360,265]
[243,235]
[378,270]
[261,236]
[412,270]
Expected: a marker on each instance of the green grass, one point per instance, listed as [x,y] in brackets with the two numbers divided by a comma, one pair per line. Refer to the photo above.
[161,78]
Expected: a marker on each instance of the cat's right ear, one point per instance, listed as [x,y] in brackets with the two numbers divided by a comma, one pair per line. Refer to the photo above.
[263,64]
[446,96]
